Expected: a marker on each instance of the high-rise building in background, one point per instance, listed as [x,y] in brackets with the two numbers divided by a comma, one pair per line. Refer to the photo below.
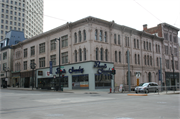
[21,15]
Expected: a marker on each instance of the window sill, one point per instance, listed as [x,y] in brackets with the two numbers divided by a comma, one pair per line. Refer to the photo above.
[100,41]
[80,42]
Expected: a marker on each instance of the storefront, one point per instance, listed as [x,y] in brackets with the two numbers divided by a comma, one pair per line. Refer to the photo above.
[170,81]
[15,78]
[85,75]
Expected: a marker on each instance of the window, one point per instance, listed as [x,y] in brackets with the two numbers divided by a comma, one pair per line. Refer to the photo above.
[15,18]
[156,48]
[84,32]
[157,61]
[175,52]
[7,11]
[144,45]
[6,16]
[79,36]
[42,62]
[165,36]
[175,39]
[102,53]
[32,50]
[4,66]
[96,53]
[145,60]
[119,40]
[138,59]
[119,56]
[2,10]
[84,53]
[114,38]
[65,41]
[115,56]
[17,54]
[105,37]
[25,52]
[2,26]
[6,27]
[151,60]
[106,55]
[42,48]
[2,15]
[96,33]
[75,37]
[64,57]
[170,37]
[4,55]
[100,35]
[170,50]
[25,65]
[2,21]
[127,41]
[80,55]
[148,60]
[75,55]
[166,50]
[176,63]
[135,61]
[134,43]
[159,48]
[53,59]
[149,46]
[167,64]
[6,21]
[15,23]
[137,43]
[53,44]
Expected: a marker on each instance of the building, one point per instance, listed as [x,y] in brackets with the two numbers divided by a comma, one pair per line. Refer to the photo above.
[12,37]
[170,48]
[21,15]
[87,41]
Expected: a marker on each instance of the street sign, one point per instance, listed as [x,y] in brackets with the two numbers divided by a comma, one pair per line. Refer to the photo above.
[50,67]
[138,74]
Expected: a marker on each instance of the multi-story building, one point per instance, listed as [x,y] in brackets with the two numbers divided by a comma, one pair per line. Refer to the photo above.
[84,42]
[6,53]
[21,15]
[170,59]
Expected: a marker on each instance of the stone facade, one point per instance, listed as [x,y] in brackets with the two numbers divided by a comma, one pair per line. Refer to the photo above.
[103,41]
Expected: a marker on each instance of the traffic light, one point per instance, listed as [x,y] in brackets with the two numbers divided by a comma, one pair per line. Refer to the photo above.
[113,71]
[60,71]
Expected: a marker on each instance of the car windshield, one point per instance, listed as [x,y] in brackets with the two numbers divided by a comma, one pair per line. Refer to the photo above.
[145,84]
[141,84]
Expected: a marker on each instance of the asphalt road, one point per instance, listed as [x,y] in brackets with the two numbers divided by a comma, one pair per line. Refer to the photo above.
[18,104]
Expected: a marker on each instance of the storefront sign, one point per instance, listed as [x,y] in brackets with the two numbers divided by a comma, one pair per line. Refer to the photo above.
[101,71]
[50,67]
[80,70]
[57,71]
[97,65]
[48,73]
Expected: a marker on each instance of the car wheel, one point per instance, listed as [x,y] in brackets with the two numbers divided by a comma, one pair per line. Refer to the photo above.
[146,91]
[156,90]
[136,92]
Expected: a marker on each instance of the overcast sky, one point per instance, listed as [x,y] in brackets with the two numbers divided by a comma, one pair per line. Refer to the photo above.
[131,13]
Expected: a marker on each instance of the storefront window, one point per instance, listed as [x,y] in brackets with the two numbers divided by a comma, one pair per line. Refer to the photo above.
[80,81]
[103,80]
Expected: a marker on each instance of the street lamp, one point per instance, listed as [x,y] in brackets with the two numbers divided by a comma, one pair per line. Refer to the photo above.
[59,63]
[33,66]
[6,69]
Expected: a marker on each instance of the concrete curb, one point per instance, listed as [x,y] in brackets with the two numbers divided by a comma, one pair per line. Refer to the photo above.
[137,94]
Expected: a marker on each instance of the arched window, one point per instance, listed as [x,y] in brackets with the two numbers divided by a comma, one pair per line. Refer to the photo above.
[100,35]
[105,37]
[101,53]
[157,61]
[119,42]
[145,60]
[156,48]
[119,56]
[115,56]
[134,43]
[114,38]
[137,43]
[96,34]
[84,32]
[84,53]
[97,53]
[138,59]
[106,55]
[75,37]
[80,55]
[79,36]
[149,77]
[148,60]
[151,60]
[75,55]
[135,59]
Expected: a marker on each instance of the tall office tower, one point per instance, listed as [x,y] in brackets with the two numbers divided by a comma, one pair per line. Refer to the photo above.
[21,15]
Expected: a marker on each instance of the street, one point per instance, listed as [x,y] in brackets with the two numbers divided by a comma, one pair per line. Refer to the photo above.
[23,104]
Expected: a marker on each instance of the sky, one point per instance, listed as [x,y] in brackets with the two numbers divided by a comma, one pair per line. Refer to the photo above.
[131,13]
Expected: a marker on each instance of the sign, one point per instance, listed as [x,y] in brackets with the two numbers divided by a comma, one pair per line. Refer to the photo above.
[121,87]
[97,65]
[54,76]
[101,71]
[48,73]
[50,67]
[40,73]
[80,70]
[159,75]
[138,74]
[57,71]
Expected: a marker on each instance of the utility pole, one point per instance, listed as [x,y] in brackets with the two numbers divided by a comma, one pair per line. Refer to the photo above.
[173,69]
[161,75]
[129,80]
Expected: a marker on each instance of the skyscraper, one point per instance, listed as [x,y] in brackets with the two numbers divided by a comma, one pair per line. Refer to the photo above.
[21,15]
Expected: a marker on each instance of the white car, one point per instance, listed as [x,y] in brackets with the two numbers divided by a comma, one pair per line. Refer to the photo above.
[147,87]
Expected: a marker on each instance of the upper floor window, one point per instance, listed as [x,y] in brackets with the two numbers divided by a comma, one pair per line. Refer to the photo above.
[114,38]
[106,55]
[166,50]
[79,36]
[64,41]
[134,43]
[97,53]
[96,34]
[4,55]
[176,63]
[42,48]
[119,56]
[100,35]
[175,52]
[80,55]
[167,64]
[75,55]
[53,44]
[135,61]
[165,36]
[84,32]
[53,59]
[84,53]
[138,59]
[64,57]
[17,54]
[102,53]
[42,62]
[32,50]
[148,60]
[119,40]
[175,39]
[25,65]
[115,56]
[105,37]
[137,43]
[149,46]
[25,52]
[127,41]
[151,60]
[144,45]
[145,60]
[75,37]
[170,37]
[157,60]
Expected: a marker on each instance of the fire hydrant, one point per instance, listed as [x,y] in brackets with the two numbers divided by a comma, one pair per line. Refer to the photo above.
[110,90]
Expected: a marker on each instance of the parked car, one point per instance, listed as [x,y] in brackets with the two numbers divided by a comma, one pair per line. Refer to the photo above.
[147,87]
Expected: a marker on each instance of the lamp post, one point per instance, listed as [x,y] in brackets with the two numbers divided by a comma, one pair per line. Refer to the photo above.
[59,63]
[6,69]
[33,66]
